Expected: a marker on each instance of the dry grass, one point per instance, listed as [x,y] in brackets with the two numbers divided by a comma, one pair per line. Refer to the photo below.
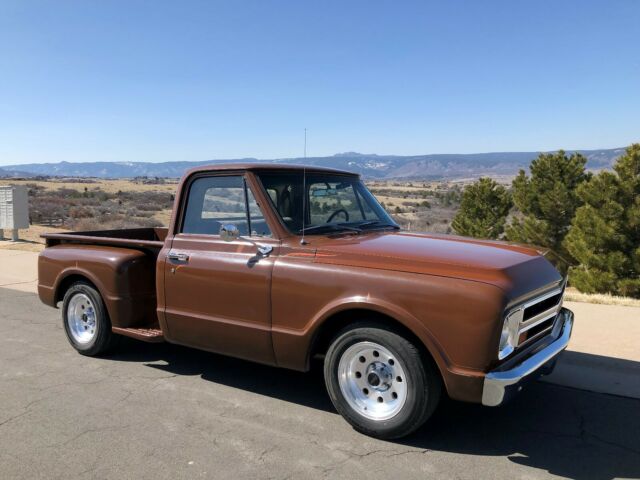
[109,186]
[573,295]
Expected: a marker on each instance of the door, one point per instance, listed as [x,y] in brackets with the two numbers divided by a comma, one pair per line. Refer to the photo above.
[218,292]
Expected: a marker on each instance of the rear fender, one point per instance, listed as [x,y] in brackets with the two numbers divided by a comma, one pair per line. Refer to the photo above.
[125,279]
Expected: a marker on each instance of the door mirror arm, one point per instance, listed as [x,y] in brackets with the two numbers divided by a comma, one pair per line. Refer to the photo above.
[230,232]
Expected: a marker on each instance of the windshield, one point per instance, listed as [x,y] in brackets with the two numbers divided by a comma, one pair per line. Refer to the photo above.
[333,202]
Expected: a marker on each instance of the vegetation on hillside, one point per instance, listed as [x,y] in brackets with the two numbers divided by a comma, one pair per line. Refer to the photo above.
[420,206]
[95,209]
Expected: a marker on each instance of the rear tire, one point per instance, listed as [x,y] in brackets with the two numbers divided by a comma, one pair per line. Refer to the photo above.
[86,321]
[379,381]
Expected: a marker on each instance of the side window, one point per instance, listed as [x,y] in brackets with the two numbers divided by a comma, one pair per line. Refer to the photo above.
[217,201]
[259,225]
[214,201]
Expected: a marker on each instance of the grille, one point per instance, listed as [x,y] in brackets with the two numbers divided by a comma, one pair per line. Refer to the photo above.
[542,306]
[536,317]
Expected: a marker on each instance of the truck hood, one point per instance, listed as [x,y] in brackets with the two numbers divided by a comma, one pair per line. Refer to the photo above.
[516,269]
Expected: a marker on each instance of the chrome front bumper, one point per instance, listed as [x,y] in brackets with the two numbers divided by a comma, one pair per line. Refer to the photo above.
[500,385]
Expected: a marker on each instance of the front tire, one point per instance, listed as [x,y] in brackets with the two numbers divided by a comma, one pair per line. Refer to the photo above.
[86,321]
[379,381]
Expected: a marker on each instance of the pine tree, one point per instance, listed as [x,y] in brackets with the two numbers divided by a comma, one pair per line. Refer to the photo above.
[605,235]
[483,210]
[546,203]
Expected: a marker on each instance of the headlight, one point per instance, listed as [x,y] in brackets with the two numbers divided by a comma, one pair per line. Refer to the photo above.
[509,334]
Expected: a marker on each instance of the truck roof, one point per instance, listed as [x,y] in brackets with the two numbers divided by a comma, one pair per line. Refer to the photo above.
[266,167]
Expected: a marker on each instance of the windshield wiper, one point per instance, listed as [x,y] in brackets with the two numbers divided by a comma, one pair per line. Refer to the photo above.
[352,227]
[330,227]
[377,224]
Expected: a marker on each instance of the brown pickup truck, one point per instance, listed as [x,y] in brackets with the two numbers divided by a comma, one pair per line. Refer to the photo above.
[282,265]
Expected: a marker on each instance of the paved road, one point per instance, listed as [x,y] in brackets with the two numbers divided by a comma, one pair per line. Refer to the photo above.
[166,412]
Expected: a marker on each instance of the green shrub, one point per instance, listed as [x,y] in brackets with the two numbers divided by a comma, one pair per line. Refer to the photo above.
[546,203]
[483,210]
[605,234]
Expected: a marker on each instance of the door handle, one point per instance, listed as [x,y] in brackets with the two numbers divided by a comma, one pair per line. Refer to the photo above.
[178,257]
[265,250]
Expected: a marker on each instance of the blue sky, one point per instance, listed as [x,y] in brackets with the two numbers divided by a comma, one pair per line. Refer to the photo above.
[190,80]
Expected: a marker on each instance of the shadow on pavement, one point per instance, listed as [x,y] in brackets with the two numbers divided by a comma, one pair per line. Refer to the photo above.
[564,431]
[296,387]
[598,373]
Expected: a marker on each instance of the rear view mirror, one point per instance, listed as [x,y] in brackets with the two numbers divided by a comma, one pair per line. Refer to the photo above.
[229,233]
[323,192]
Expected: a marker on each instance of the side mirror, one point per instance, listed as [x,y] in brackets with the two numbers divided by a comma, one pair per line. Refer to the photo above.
[229,233]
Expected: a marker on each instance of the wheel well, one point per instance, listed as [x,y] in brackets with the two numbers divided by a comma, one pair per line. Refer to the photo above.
[67,282]
[337,322]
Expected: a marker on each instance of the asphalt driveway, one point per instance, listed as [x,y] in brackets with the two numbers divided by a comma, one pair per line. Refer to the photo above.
[162,411]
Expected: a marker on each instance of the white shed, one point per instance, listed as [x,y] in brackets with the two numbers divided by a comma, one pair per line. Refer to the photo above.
[14,209]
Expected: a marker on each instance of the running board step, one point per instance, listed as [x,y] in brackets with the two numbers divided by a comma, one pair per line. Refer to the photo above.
[151,334]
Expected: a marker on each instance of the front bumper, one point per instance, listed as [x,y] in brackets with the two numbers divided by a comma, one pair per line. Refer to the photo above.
[500,385]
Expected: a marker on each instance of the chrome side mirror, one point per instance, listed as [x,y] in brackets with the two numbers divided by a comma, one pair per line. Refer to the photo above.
[229,233]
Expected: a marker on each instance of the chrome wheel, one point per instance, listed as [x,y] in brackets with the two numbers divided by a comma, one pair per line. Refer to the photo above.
[81,318]
[372,380]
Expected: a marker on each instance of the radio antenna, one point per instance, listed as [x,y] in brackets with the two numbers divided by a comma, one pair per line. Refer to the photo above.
[304,188]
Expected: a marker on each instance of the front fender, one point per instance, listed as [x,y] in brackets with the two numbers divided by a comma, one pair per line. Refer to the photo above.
[390,310]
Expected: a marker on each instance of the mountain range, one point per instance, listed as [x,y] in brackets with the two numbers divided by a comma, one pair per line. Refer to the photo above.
[371,166]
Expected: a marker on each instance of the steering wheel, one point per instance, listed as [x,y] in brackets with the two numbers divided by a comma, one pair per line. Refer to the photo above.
[342,210]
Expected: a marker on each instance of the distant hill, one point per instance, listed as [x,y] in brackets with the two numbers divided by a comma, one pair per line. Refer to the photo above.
[372,166]
[9,172]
